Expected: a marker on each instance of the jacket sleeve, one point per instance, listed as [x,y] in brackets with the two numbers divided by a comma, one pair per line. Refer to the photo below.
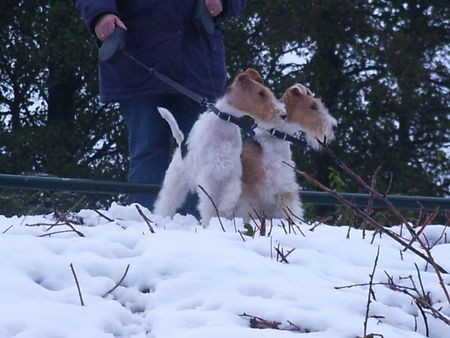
[232,7]
[91,9]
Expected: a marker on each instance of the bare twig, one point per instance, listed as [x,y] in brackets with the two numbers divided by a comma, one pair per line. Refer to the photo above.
[118,283]
[271,228]
[283,256]
[361,182]
[7,229]
[78,285]
[75,230]
[375,224]
[369,297]
[44,224]
[214,205]
[369,209]
[366,284]
[443,233]
[242,236]
[262,228]
[146,219]
[289,214]
[52,225]
[77,204]
[55,233]
[260,323]
[62,217]
[439,272]
[104,216]
[426,222]
[421,302]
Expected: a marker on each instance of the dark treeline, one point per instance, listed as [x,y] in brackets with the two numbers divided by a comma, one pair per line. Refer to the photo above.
[381,67]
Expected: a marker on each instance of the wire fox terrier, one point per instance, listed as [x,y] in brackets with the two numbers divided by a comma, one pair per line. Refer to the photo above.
[269,186]
[214,146]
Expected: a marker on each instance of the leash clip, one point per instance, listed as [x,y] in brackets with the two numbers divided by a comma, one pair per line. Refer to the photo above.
[298,134]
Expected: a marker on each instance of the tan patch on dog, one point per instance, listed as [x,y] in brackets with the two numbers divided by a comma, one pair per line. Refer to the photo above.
[248,94]
[307,111]
[253,173]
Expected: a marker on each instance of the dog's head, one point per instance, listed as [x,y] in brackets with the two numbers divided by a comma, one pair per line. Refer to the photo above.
[248,94]
[309,113]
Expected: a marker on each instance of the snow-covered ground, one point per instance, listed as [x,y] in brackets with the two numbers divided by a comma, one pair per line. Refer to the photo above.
[185,281]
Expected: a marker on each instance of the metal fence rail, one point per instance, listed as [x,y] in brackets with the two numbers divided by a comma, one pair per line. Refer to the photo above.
[111,187]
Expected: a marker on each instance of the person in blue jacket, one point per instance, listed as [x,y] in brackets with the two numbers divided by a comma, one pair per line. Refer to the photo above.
[163,35]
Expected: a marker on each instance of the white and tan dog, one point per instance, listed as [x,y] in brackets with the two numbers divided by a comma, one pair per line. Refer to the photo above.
[269,186]
[214,148]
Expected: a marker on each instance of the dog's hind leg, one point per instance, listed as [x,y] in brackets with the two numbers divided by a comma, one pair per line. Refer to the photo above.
[174,190]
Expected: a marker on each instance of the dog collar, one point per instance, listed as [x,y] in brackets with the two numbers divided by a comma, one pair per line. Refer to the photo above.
[289,138]
[249,132]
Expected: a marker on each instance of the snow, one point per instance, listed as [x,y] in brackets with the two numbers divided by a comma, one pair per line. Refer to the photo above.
[186,281]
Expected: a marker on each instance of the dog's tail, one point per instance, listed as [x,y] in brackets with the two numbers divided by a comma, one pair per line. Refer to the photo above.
[176,132]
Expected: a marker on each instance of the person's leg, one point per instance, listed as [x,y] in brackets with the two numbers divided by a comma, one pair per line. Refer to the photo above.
[186,113]
[148,136]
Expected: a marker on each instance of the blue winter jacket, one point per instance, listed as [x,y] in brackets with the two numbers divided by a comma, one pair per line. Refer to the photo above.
[161,34]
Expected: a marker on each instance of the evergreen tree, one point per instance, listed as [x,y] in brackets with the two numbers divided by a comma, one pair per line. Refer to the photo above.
[52,122]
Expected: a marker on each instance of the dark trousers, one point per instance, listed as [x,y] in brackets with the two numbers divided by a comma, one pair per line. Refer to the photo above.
[149,140]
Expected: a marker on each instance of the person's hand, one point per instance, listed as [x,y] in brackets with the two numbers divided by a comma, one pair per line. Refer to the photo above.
[106,25]
[214,7]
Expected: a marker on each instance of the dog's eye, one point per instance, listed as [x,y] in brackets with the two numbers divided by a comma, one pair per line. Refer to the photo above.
[313,107]
[262,94]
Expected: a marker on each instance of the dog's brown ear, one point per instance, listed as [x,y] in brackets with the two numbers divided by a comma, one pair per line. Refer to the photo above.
[243,79]
[254,75]
[296,91]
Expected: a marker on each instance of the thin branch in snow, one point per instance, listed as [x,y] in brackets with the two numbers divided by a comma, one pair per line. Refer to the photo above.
[361,182]
[118,283]
[76,282]
[260,323]
[55,233]
[369,208]
[214,205]
[427,257]
[104,216]
[146,219]
[7,229]
[426,222]
[242,236]
[281,256]
[371,294]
